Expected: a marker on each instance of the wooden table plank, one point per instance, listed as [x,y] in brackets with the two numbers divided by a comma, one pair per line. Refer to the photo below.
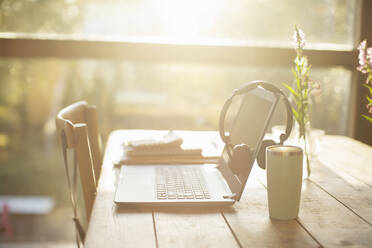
[330,222]
[353,193]
[111,226]
[347,155]
[126,227]
[253,227]
[192,227]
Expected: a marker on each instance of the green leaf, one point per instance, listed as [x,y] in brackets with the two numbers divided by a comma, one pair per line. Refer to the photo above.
[295,114]
[291,90]
[298,82]
[369,88]
[369,99]
[305,94]
[368,118]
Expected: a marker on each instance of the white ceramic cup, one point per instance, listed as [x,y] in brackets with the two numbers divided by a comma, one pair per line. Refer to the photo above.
[284,180]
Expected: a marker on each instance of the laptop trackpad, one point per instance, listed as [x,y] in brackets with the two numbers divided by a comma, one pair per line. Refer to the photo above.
[136,184]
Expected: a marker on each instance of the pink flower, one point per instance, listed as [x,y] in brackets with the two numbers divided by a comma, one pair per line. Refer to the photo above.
[362,45]
[369,107]
[364,56]
[362,69]
[369,55]
[365,66]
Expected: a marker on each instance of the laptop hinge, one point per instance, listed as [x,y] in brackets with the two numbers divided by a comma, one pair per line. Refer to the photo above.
[232,196]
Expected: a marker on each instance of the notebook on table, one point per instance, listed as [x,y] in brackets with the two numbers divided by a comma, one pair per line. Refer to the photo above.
[198,184]
[168,148]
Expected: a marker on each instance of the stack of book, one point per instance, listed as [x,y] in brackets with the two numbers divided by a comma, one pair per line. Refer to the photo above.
[167,149]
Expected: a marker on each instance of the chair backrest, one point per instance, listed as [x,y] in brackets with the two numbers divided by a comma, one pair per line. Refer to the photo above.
[78,124]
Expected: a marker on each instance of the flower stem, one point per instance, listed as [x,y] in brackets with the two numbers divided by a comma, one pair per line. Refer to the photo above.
[306,153]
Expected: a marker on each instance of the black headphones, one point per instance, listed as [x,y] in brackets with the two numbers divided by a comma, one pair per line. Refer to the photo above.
[242,155]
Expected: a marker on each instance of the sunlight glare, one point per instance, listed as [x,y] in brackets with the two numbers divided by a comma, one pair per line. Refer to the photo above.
[188,21]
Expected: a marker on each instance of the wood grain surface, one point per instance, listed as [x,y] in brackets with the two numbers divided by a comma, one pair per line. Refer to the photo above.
[253,227]
[335,211]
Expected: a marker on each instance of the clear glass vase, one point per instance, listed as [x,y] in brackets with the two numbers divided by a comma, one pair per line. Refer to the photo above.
[305,143]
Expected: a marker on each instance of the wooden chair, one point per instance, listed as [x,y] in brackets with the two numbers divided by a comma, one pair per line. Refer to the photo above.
[77,128]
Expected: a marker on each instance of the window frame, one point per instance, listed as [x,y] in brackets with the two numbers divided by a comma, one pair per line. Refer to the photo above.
[68,47]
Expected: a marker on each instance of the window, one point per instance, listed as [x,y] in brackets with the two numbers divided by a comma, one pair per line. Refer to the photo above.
[266,23]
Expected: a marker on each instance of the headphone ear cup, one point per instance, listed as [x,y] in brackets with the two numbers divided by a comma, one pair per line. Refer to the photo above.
[241,157]
[261,157]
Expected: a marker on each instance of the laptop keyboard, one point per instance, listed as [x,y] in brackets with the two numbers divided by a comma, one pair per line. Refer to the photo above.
[180,183]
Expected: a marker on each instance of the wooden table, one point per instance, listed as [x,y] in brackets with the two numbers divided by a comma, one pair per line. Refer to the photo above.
[335,211]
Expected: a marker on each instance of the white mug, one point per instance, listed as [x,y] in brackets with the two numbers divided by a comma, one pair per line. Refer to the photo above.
[284,180]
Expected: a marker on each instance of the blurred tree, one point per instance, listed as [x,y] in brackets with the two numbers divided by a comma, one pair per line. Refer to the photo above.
[34,16]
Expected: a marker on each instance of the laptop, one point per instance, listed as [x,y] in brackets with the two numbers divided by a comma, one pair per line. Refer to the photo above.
[200,184]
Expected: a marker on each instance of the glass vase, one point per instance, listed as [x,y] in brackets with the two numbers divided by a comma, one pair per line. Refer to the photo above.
[305,143]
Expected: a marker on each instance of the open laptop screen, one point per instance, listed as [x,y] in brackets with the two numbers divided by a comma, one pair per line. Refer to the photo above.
[249,123]
[248,128]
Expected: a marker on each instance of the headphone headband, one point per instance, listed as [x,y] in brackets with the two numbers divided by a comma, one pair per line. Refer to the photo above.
[245,88]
